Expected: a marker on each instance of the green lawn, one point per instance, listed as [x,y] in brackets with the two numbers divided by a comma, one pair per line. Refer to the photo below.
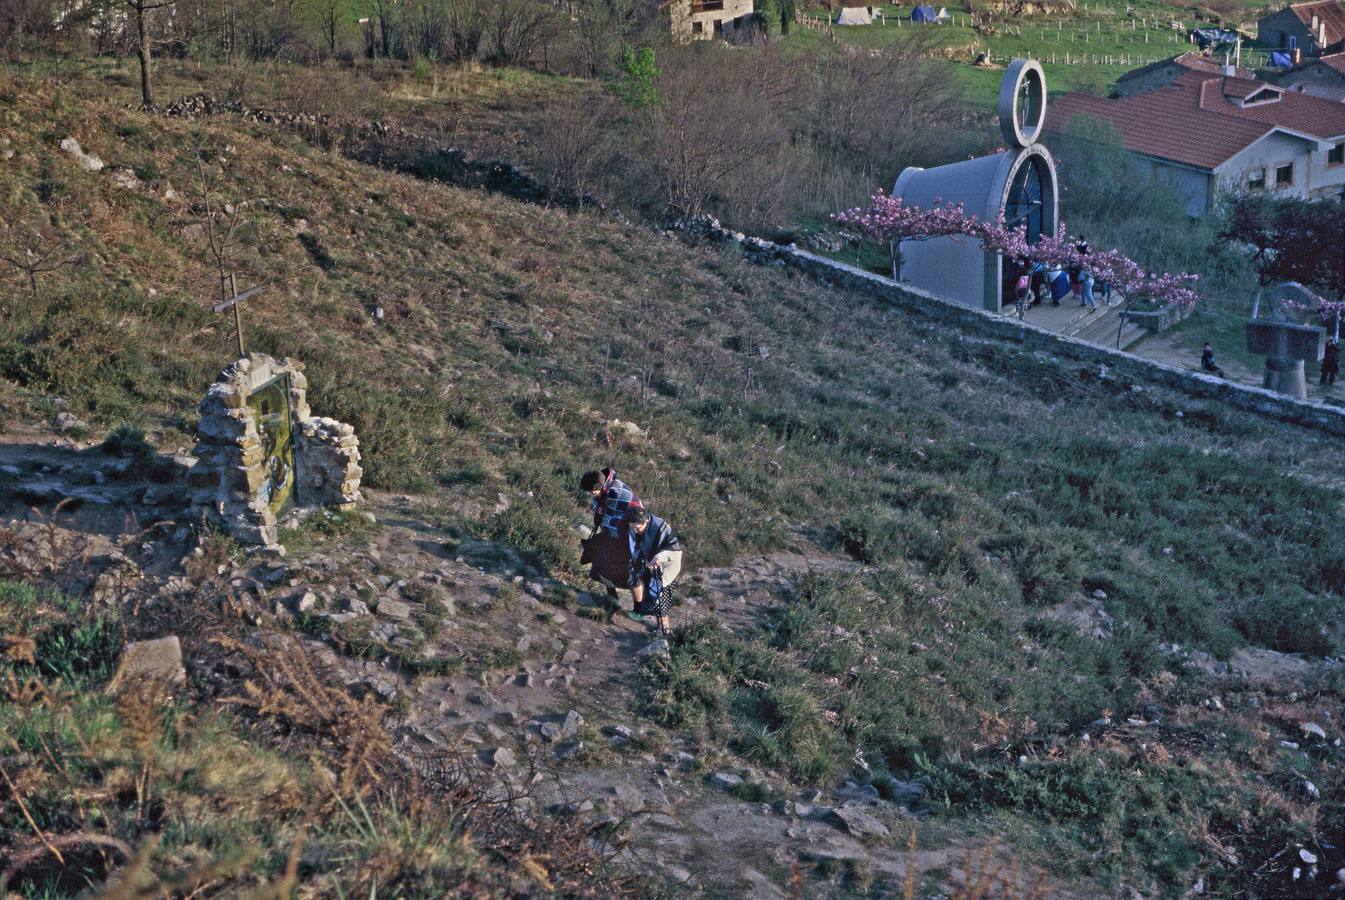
[1087,50]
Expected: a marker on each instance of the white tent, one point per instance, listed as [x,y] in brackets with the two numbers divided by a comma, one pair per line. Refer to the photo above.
[943,14]
[855,15]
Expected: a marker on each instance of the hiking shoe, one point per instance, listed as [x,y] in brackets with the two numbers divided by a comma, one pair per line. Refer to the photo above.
[636,617]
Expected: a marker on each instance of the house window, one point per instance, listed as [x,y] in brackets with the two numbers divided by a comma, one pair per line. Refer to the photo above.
[697,27]
[1284,175]
[1256,179]
[719,26]
[1265,95]
[1336,155]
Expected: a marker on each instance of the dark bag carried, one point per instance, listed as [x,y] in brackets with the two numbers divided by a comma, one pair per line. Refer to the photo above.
[607,557]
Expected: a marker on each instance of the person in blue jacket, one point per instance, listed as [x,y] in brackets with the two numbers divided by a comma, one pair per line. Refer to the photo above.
[1060,286]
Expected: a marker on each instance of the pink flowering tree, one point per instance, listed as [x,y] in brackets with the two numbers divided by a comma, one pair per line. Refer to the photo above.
[888,218]
[1329,310]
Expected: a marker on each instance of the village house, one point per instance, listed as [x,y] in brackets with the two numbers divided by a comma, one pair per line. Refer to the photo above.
[1312,29]
[1322,77]
[701,20]
[1209,135]
[1165,71]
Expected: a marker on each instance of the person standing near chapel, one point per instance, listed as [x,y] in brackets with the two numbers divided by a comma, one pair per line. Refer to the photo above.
[1207,360]
[1330,362]
[1059,280]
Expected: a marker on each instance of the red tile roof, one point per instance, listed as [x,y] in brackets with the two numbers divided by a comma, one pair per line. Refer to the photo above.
[1296,112]
[1329,12]
[1198,120]
[1334,61]
[1191,59]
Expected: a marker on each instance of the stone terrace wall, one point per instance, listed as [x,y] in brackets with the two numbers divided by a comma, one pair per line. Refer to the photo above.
[981,324]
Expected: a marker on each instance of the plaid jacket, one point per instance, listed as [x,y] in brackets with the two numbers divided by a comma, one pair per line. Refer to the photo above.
[617,499]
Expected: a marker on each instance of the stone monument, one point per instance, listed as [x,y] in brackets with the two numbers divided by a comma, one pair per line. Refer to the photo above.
[260,452]
[1287,346]
[1019,183]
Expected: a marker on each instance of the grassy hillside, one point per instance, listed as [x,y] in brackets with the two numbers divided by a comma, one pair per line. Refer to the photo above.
[982,488]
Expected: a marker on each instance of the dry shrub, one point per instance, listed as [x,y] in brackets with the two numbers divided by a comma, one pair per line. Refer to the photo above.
[285,687]
[870,115]
[984,876]
[572,147]
[718,135]
[347,93]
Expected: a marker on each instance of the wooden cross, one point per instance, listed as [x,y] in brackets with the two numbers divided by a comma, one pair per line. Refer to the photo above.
[236,301]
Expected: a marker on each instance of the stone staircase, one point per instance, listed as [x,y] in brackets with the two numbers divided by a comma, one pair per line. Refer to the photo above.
[1101,328]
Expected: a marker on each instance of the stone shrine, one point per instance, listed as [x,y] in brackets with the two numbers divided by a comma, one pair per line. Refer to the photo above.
[260,452]
[1287,345]
[1019,183]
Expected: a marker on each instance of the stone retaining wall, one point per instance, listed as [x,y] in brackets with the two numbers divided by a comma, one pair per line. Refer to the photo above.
[1156,320]
[981,324]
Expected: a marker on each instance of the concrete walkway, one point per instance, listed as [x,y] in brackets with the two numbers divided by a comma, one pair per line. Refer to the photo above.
[1099,326]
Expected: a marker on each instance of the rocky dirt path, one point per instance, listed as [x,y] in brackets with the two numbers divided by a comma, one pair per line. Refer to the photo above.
[560,723]
[477,652]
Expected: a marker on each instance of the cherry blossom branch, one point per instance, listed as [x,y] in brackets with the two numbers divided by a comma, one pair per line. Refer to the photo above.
[888,218]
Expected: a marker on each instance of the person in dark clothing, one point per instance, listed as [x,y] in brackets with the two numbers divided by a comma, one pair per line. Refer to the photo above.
[1207,360]
[1331,362]
[607,551]
[1059,279]
[656,561]
[1040,289]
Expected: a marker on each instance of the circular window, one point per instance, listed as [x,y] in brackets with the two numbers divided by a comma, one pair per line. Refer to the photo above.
[1022,102]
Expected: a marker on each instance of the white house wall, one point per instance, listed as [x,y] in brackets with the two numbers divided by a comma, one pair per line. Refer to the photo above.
[1312,175]
[1324,179]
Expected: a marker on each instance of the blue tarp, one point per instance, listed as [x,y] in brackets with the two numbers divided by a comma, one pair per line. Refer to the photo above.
[1280,60]
[1210,37]
[925,13]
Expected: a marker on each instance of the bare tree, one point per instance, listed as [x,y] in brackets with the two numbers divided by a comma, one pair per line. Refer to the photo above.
[721,123]
[515,29]
[871,111]
[220,218]
[40,254]
[466,25]
[34,18]
[572,145]
[141,10]
[601,28]
[329,21]
[381,19]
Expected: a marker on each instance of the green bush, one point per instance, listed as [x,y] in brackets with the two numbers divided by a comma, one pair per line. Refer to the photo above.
[1047,565]
[1130,817]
